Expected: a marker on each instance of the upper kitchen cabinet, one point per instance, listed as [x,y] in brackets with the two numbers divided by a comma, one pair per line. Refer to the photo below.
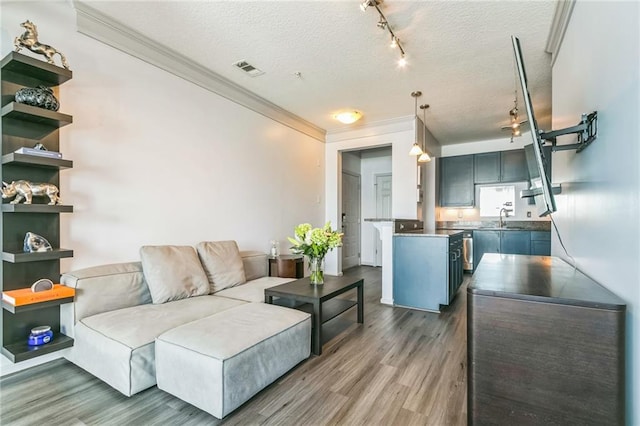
[513,166]
[456,181]
[496,167]
[487,167]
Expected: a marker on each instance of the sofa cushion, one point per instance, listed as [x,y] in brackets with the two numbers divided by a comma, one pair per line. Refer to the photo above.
[173,272]
[106,288]
[222,263]
[219,362]
[118,346]
[253,291]
[255,264]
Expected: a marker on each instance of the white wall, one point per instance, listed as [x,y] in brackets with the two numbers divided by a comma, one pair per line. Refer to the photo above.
[597,68]
[158,160]
[374,163]
[399,134]
[351,162]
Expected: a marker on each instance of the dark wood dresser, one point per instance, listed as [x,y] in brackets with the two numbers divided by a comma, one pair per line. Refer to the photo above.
[545,345]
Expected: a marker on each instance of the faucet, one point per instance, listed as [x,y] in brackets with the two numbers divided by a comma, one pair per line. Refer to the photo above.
[506,215]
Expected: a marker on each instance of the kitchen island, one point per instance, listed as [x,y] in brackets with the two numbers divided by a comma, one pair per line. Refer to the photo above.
[427,268]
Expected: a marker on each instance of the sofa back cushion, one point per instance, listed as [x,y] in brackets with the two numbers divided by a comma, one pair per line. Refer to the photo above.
[106,288]
[255,264]
[173,273]
[222,263]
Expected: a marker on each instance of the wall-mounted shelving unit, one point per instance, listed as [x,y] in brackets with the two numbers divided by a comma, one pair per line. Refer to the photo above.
[24,126]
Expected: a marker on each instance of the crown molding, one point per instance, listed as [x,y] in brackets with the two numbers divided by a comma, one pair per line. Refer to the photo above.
[374,128]
[103,28]
[561,19]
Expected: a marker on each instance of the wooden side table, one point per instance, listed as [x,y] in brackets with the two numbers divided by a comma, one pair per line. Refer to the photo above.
[286,266]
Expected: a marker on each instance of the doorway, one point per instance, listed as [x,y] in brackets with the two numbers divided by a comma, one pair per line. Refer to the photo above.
[383,208]
[350,220]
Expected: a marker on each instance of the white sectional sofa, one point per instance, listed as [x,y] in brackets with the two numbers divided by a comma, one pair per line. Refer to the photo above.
[190,302]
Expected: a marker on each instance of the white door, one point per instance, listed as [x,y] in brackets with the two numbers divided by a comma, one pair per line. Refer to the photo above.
[350,220]
[383,208]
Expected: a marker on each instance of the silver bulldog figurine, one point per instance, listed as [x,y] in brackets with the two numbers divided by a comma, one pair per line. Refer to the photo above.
[25,190]
[35,243]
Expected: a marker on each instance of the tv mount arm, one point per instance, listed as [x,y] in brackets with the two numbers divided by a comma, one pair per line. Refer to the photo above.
[587,131]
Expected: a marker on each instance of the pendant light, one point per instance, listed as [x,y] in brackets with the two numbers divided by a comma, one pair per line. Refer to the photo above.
[415,149]
[424,157]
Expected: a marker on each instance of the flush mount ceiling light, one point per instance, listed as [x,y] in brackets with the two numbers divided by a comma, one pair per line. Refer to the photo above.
[415,149]
[383,24]
[424,157]
[348,117]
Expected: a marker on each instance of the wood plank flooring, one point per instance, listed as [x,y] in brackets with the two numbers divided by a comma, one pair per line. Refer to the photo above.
[401,367]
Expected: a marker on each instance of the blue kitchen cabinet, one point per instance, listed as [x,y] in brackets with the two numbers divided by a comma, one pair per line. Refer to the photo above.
[484,242]
[422,274]
[513,166]
[541,243]
[487,167]
[456,181]
[515,242]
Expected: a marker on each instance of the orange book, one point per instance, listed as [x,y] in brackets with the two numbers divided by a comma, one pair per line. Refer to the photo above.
[25,296]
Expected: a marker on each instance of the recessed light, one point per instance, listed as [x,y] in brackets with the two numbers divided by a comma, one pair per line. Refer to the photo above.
[348,117]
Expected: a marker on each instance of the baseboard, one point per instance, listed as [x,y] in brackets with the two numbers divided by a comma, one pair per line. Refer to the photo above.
[7,367]
[387,302]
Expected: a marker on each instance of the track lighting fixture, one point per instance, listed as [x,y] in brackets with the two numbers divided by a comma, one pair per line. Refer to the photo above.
[415,149]
[366,3]
[424,157]
[383,23]
[515,124]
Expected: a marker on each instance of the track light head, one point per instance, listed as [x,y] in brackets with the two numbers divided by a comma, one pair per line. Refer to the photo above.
[366,3]
[394,42]
[402,62]
[382,24]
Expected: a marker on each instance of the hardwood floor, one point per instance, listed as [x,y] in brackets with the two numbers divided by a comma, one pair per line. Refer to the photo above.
[401,367]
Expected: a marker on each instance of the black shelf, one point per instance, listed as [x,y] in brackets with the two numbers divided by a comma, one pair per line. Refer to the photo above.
[23,70]
[330,309]
[34,306]
[36,208]
[35,160]
[21,257]
[17,352]
[35,115]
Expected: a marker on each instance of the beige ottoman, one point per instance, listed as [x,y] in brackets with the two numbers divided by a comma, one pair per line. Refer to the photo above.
[219,362]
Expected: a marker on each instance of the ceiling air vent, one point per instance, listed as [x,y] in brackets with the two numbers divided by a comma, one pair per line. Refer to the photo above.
[249,69]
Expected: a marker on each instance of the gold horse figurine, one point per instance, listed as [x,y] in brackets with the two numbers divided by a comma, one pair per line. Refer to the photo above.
[30,40]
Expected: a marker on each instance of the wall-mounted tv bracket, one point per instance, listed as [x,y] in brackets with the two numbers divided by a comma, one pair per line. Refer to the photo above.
[587,131]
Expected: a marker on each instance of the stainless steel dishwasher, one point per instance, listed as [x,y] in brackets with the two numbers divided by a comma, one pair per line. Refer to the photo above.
[467,251]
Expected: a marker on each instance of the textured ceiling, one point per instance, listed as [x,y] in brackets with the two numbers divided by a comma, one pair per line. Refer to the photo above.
[459,55]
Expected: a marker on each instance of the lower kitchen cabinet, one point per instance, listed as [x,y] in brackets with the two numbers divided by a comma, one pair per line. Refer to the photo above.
[515,242]
[540,243]
[427,270]
[484,242]
[536,243]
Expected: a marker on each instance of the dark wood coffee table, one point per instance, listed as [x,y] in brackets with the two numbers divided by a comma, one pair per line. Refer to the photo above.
[320,301]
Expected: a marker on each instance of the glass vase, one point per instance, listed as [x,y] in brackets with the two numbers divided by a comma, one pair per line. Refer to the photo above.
[316,267]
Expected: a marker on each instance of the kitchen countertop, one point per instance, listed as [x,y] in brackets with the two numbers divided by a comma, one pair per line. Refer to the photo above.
[442,233]
[483,228]
[517,225]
